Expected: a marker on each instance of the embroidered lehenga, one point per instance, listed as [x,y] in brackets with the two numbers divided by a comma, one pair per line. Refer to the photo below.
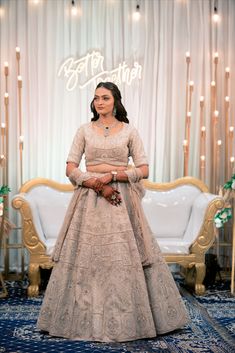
[100,288]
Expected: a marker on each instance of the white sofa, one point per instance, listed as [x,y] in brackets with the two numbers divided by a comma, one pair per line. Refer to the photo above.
[180,215]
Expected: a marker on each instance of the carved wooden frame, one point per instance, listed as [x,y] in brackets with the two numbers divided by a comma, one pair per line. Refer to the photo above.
[37,250]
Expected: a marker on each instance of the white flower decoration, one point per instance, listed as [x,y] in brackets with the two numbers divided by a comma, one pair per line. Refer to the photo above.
[218,223]
[1,209]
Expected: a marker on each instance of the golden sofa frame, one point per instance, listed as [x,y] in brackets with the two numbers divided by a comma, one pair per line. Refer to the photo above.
[193,262]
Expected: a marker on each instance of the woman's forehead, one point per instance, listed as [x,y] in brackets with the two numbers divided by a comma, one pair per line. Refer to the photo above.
[101,91]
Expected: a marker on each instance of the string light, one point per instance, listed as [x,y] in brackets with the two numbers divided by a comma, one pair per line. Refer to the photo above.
[216,57]
[1,12]
[74,10]
[136,14]
[187,54]
[215,16]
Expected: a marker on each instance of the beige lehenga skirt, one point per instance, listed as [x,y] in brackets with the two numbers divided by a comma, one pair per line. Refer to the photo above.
[99,289]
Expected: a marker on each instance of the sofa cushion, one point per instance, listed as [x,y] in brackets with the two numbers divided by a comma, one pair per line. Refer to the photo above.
[168,212]
[197,217]
[173,246]
[51,205]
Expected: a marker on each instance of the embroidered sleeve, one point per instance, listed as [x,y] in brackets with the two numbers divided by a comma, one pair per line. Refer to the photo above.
[77,148]
[136,149]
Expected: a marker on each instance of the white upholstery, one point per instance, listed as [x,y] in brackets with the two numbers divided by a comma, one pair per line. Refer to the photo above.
[48,207]
[175,216]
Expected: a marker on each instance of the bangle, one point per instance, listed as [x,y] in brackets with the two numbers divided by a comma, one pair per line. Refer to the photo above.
[114,175]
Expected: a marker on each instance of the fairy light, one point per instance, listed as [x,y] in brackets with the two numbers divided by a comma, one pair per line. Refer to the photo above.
[1,12]
[203,128]
[19,78]
[136,14]
[226,99]
[216,18]
[6,68]
[219,142]
[187,54]
[74,9]
[203,158]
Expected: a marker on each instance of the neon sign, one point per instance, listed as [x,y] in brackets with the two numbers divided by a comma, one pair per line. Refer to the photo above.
[90,69]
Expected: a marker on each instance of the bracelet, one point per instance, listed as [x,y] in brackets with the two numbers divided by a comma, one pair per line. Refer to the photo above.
[114,175]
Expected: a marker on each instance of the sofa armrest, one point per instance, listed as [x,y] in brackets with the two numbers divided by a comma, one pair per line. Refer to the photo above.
[33,236]
[200,230]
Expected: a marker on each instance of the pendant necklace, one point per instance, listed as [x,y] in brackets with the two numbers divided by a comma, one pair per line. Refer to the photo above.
[105,128]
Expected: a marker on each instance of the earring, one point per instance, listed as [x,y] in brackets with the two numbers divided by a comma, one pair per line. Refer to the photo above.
[114,111]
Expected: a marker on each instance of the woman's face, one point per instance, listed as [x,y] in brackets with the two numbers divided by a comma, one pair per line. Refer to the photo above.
[103,101]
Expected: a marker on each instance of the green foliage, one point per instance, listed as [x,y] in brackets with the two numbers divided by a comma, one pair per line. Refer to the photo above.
[4,191]
[230,184]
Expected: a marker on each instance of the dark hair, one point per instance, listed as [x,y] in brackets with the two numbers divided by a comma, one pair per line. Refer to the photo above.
[121,113]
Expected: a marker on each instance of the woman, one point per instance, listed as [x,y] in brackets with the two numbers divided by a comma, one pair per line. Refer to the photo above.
[109,282]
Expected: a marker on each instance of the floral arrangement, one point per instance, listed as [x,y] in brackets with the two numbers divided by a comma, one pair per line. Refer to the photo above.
[5,225]
[225,214]
[230,184]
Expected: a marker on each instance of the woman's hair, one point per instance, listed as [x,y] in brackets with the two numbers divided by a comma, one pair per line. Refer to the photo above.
[120,111]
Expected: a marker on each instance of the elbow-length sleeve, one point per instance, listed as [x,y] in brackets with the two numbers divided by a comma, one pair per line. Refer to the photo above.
[136,149]
[77,148]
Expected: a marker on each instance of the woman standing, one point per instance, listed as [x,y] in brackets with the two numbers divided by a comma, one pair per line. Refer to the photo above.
[110,281]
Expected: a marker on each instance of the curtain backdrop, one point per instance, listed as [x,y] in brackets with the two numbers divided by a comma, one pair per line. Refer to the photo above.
[47,34]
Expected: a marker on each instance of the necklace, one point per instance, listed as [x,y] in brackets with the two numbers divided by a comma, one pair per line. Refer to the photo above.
[106,128]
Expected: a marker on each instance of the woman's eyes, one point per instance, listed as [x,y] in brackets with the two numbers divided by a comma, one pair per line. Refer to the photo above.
[104,98]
